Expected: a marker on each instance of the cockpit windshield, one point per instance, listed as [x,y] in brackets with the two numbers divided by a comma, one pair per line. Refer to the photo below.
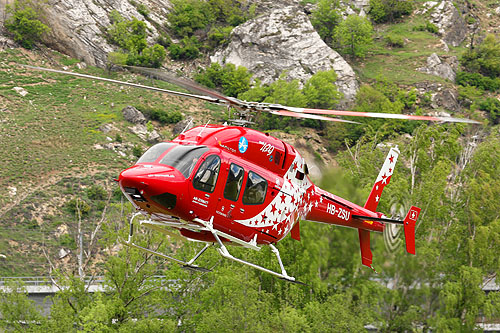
[184,158]
[155,152]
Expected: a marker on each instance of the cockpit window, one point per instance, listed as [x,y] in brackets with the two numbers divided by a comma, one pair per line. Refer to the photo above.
[206,176]
[184,158]
[255,190]
[155,152]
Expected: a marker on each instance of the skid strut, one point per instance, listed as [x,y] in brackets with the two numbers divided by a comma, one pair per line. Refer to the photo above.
[225,253]
[188,264]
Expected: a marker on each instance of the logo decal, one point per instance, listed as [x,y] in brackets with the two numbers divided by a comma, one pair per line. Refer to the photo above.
[243,145]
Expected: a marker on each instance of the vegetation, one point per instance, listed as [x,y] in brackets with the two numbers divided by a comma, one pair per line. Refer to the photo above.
[24,23]
[485,59]
[230,80]
[204,25]
[130,36]
[354,36]
[383,11]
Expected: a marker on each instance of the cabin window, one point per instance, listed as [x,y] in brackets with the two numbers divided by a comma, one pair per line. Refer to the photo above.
[184,158]
[155,152]
[234,181]
[255,189]
[206,176]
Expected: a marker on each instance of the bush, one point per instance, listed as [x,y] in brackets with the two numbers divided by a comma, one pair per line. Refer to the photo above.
[485,59]
[477,80]
[219,36]
[383,11]
[394,40]
[131,37]
[230,79]
[160,115]
[326,18]
[431,27]
[96,192]
[24,24]
[492,106]
[186,50]
[149,57]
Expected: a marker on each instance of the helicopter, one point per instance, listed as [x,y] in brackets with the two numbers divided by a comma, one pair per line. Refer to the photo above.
[232,185]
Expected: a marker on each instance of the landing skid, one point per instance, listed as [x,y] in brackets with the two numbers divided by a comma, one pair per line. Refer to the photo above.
[225,253]
[221,248]
[184,264]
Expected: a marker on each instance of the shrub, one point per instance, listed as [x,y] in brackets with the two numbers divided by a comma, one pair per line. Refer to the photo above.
[160,115]
[477,80]
[320,90]
[137,152]
[230,79]
[24,24]
[131,37]
[431,27]
[485,59]
[394,40]
[428,26]
[326,18]
[492,106]
[382,11]
[96,192]
[186,50]
[149,57]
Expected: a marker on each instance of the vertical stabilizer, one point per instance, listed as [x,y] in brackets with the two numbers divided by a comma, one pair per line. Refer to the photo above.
[409,228]
[383,179]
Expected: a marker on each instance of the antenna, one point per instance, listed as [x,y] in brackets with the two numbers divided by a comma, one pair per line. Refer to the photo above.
[188,124]
[199,134]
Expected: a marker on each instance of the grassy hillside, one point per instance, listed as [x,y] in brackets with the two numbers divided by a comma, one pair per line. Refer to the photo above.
[51,147]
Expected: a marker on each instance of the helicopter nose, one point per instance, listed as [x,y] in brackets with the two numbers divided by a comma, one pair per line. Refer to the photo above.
[157,184]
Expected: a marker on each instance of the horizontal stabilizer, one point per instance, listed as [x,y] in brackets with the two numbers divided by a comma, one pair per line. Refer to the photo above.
[364,244]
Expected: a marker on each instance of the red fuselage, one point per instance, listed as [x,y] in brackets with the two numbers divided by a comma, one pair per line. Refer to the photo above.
[251,185]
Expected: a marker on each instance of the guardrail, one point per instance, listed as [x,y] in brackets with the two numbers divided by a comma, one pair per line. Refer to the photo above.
[44,284]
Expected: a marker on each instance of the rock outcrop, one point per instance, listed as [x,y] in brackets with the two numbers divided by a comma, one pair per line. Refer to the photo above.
[448,19]
[77,26]
[284,40]
[445,69]
[133,115]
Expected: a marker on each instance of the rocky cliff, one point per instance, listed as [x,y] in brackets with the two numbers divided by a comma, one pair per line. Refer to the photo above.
[77,27]
[284,40]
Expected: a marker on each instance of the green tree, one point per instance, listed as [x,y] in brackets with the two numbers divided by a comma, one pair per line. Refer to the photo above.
[320,90]
[382,11]
[325,18]
[354,36]
[24,23]
[131,36]
[485,59]
[230,79]
[18,313]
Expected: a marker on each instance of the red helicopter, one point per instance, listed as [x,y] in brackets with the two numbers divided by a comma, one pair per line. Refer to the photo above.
[231,185]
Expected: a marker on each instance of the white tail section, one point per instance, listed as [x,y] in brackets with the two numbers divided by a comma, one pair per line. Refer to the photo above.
[384,177]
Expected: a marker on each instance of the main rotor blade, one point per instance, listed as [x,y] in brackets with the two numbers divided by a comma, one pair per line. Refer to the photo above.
[182,82]
[309,116]
[135,85]
[379,115]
